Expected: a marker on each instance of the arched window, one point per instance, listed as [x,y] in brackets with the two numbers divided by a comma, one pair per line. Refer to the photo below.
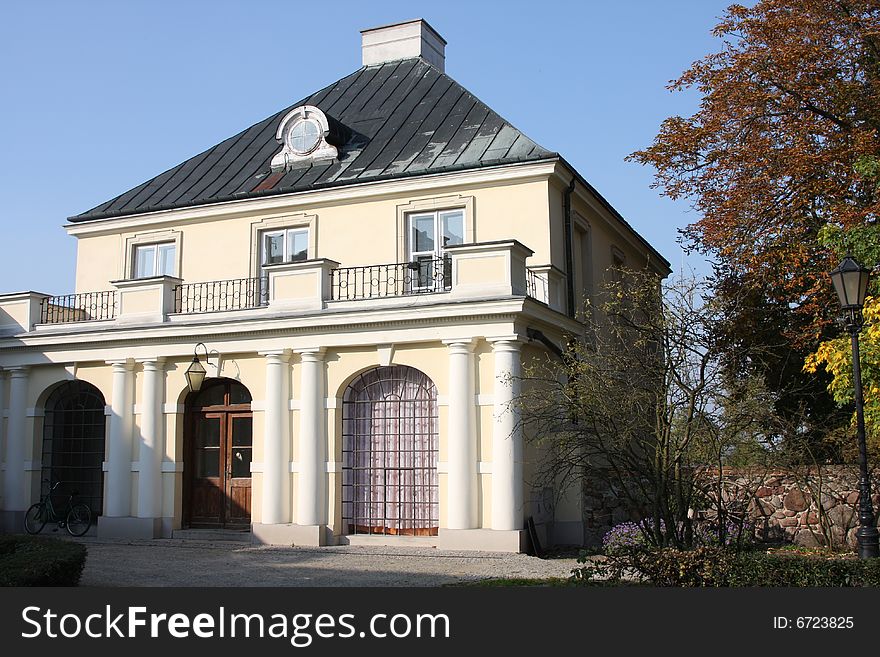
[74,428]
[389,453]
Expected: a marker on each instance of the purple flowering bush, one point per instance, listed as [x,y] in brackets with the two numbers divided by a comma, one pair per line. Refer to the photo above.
[731,534]
[708,552]
[629,536]
[624,537]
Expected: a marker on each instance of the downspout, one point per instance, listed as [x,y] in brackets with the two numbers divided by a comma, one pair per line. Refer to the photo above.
[569,258]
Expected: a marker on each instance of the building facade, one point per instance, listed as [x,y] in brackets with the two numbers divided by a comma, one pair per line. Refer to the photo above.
[361,275]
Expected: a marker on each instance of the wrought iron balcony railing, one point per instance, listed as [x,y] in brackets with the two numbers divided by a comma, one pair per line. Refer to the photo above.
[215,296]
[85,307]
[423,276]
[538,286]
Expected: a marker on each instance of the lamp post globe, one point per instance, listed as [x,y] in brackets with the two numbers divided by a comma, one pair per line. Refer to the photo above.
[850,281]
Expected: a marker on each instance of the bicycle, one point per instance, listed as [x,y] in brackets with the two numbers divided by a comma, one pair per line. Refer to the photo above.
[76,518]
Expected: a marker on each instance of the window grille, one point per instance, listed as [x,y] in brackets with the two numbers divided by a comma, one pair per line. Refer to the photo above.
[389,453]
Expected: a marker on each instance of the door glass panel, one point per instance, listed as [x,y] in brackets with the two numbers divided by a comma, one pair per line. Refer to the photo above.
[145,261]
[422,233]
[209,432]
[241,462]
[211,396]
[273,248]
[208,462]
[298,245]
[208,447]
[242,432]
[242,439]
[166,259]
[453,228]
[238,394]
[424,275]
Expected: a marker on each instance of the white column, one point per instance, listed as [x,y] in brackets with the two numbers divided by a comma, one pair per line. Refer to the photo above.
[507,477]
[310,493]
[14,495]
[276,443]
[461,439]
[152,440]
[119,441]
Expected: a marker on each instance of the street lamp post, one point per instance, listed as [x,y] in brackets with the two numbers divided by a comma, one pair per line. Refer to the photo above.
[851,284]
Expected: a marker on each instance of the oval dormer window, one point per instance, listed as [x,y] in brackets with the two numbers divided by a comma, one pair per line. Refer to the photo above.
[304,136]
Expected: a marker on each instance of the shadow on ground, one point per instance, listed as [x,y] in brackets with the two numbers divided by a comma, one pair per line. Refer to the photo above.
[173,562]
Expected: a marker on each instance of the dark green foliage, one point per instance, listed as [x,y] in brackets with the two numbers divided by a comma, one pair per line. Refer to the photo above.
[39,561]
[514,582]
[720,567]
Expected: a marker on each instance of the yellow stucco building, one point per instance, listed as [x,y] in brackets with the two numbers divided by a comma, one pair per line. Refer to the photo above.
[364,273]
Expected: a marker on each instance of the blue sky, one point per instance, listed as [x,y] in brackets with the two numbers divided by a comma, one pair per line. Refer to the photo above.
[100,96]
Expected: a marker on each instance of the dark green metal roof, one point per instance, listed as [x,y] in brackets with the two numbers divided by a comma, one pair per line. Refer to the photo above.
[405,118]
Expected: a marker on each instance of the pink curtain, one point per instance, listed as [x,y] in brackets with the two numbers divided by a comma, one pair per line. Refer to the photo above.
[390,453]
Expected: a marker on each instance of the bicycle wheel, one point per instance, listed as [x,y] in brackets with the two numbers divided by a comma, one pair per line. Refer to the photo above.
[35,518]
[79,518]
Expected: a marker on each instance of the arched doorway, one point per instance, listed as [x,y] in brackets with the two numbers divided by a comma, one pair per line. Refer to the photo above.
[74,428]
[218,445]
[389,453]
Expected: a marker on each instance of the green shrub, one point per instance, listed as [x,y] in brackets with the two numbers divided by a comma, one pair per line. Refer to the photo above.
[704,566]
[720,567]
[40,561]
[759,569]
[871,572]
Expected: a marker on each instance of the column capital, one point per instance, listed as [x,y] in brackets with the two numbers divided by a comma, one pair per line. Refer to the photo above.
[18,371]
[461,345]
[276,355]
[153,364]
[122,364]
[312,354]
[506,342]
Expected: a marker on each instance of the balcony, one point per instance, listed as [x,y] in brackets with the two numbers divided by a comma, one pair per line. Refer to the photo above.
[87,307]
[466,272]
[426,276]
[217,296]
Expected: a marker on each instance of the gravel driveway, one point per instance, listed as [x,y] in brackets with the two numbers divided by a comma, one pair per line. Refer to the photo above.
[178,562]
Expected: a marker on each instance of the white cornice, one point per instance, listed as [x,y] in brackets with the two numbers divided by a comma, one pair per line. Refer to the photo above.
[302,331]
[296,201]
[259,324]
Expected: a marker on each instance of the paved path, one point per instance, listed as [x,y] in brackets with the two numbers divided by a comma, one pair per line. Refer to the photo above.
[178,562]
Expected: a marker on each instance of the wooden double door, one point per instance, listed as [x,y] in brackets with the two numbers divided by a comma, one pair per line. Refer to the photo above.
[220,432]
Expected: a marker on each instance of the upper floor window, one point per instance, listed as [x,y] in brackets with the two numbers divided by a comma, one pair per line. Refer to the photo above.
[429,235]
[154,260]
[304,137]
[431,232]
[291,245]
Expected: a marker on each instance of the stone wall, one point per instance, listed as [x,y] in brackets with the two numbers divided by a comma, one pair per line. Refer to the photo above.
[811,507]
[807,507]
[603,508]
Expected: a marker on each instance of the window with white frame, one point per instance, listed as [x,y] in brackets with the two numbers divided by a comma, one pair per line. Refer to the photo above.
[154,260]
[289,245]
[429,235]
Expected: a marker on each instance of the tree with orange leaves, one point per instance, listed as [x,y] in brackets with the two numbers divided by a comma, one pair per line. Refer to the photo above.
[790,104]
